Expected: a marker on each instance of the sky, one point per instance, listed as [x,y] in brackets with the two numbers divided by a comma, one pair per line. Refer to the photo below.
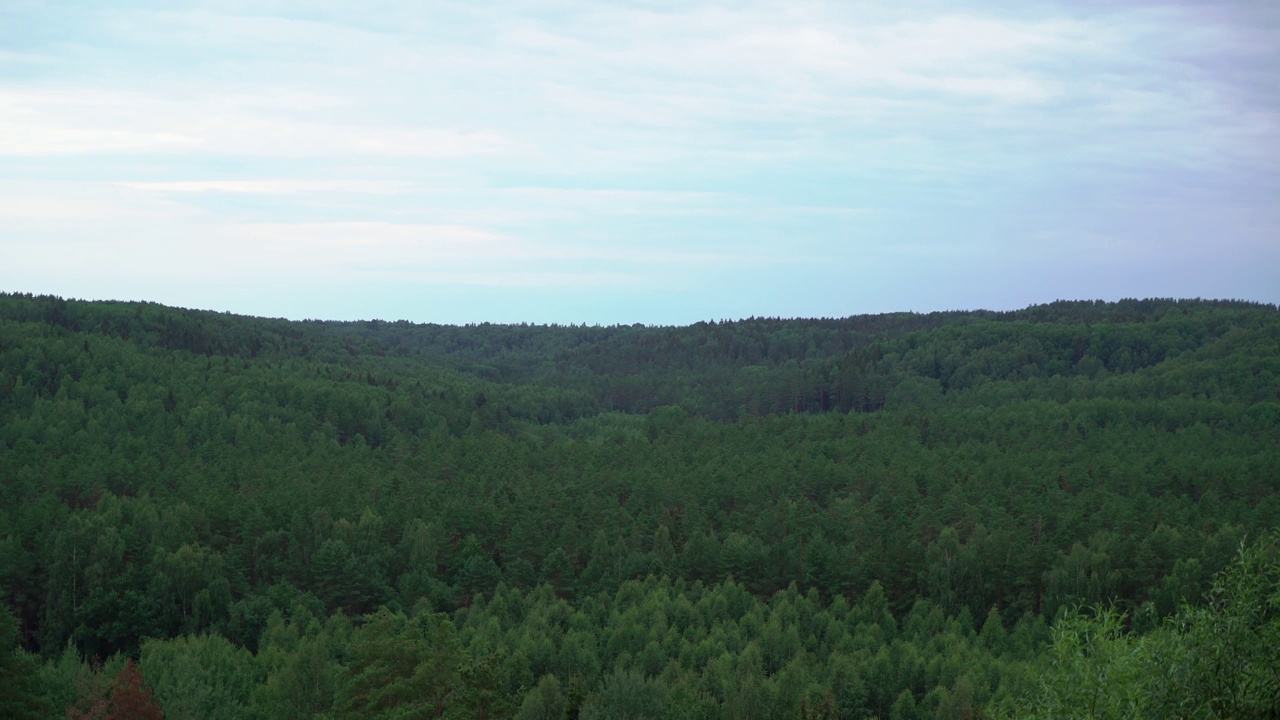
[658,162]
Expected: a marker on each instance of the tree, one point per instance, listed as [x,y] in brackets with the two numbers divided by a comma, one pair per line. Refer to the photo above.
[130,699]
[201,676]
[402,668]
[1226,653]
[301,679]
[544,702]
[22,694]
[627,695]
[557,571]
[1221,660]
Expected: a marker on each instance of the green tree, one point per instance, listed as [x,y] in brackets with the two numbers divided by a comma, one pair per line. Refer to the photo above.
[1224,658]
[200,676]
[544,702]
[300,680]
[403,668]
[22,691]
[626,695]
[1214,661]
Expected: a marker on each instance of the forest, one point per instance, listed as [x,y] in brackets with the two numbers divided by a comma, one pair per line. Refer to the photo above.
[1064,511]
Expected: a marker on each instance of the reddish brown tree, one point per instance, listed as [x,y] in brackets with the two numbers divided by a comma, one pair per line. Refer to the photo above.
[131,699]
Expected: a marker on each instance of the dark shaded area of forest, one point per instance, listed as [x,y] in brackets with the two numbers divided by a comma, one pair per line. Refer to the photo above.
[946,515]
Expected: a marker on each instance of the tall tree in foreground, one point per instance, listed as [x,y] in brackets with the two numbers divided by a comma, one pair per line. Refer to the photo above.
[1219,660]
[1228,650]
[21,690]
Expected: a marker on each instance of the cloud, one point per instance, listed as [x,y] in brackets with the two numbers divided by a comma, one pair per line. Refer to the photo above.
[14,58]
[27,206]
[80,121]
[527,279]
[276,187]
[381,247]
[534,144]
[48,123]
[43,204]
[583,86]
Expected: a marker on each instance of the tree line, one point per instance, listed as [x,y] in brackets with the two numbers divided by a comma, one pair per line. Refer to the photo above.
[879,516]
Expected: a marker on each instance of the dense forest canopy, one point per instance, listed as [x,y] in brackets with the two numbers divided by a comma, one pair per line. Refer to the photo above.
[938,515]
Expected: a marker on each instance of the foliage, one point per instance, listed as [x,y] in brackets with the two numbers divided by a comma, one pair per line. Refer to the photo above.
[1218,660]
[874,516]
[22,694]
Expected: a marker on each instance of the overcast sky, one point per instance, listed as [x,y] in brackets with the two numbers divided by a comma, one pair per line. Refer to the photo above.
[657,162]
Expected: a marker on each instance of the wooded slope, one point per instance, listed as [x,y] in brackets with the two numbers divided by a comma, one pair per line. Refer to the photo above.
[868,516]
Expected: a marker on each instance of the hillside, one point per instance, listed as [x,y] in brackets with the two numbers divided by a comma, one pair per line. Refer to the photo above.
[873,516]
